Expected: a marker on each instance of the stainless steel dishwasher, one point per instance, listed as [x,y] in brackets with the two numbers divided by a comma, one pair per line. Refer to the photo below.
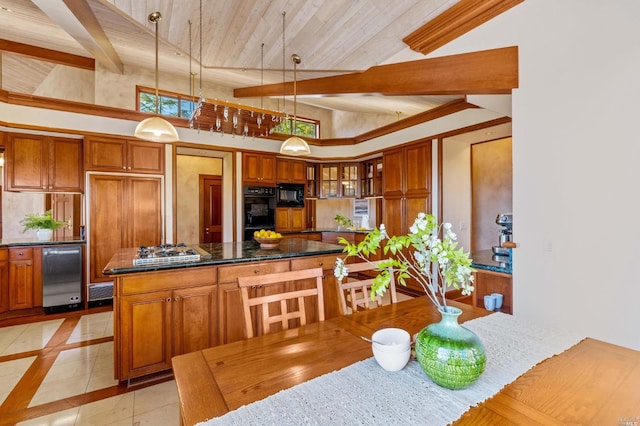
[61,277]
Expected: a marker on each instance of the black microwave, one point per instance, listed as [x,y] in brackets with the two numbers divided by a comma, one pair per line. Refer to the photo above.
[290,195]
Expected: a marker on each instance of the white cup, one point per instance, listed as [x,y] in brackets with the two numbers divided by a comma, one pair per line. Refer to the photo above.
[391,348]
[498,297]
[489,302]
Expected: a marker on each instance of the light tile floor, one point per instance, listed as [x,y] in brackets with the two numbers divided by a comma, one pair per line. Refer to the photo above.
[80,370]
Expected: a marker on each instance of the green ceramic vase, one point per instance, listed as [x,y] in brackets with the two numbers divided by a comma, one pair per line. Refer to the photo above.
[450,354]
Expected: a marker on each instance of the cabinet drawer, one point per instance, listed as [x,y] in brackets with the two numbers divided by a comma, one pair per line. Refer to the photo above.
[324,262]
[334,237]
[166,280]
[4,254]
[228,274]
[21,253]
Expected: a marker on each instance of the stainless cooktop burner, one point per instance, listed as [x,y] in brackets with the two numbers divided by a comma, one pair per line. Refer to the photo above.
[166,253]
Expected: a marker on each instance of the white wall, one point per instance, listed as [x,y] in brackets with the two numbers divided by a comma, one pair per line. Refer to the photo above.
[575,161]
[456,189]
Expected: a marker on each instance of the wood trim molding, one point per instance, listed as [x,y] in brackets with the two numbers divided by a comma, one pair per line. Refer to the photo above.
[454,22]
[48,55]
[493,71]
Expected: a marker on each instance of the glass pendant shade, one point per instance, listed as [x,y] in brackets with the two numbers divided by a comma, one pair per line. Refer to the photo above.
[156,129]
[295,146]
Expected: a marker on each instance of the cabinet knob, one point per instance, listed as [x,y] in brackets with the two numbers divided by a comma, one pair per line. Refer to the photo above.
[256,271]
[168,299]
[177,298]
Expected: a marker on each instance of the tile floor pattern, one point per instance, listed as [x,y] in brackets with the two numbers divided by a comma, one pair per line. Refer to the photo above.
[52,374]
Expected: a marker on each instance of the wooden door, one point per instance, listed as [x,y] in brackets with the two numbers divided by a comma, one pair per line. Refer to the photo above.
[66,170]
[146,333]
[143,212]
[194,319]
[297,219]
[26,159]
[107,215]
[394,166]
[210,209]
[268,169]
[66,208]
[250,168]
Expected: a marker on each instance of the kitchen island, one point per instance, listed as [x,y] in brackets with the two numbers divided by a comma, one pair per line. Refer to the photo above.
[163,310]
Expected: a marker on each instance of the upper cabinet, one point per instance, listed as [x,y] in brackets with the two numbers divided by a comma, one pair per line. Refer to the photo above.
[339,180]
[371,177]
[291,171]
[122,155]
[258,169]
[43,163]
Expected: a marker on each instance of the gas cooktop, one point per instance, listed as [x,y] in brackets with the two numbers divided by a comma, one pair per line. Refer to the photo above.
[168,253]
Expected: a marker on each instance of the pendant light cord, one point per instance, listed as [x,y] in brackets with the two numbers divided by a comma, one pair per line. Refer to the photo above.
[157,100]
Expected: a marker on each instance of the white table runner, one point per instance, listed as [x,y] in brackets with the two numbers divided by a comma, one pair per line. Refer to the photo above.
[365,394]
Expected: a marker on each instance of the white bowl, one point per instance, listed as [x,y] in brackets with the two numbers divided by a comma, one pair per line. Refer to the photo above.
[391,348]
[391,340]
[392,361]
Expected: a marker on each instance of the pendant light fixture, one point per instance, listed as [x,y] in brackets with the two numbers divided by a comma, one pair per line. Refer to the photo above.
[295,145]
[156,128]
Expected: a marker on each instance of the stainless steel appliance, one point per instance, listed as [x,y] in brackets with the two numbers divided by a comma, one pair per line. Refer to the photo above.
[61,277]
[168,253]
[259,209]
[290,195]
[506,221]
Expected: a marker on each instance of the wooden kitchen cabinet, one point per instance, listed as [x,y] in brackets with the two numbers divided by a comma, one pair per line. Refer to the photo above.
[487,282]
[291,171]
[125,211]
[39,163]
[4,280]
[21,278]
[371,177]
[290,219]
[124,155]
[258,169]
[406,186]
[158,316]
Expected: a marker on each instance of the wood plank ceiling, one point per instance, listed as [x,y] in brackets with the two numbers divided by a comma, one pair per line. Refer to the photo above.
[245,43]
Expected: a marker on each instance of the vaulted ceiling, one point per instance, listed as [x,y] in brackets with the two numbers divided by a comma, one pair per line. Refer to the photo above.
[245,44]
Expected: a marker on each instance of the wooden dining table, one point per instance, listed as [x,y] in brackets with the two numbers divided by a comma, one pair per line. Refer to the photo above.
[593,382]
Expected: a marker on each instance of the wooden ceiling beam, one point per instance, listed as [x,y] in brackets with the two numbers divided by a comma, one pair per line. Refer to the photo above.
[79,21]
[454,22]
[492,71]
[48,55]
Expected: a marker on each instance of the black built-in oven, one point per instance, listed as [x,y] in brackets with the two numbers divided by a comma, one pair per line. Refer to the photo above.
[290,195]
[259,209]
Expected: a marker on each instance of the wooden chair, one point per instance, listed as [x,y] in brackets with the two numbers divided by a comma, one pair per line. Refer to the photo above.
[355,289]
[288,308]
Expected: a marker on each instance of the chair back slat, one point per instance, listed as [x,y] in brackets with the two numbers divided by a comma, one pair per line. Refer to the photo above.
[291,303]
[355,292]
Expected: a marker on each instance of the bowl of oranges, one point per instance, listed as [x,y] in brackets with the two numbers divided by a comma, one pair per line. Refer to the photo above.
[267,239]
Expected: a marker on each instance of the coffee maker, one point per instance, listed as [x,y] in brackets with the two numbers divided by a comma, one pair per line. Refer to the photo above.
[506,221]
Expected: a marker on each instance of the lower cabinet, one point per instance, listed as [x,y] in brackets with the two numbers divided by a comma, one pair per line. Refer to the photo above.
[153,326]
[487,282]
[290,219]
[4,280]
[23,294]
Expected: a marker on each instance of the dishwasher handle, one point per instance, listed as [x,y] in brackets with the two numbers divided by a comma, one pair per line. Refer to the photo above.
[54,251]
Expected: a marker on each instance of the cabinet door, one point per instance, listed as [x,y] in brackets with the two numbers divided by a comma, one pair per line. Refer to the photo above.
[145,328]
[105,154]
[251,168]
[394,165]
[143,212]
[194,319]
[20,284]
[4,281]
[417,170]
[291,171]
[107,215]
[268,169]
[66,171]
[145,157]
[282,219]
[26,163]
[230,316]
[297,219]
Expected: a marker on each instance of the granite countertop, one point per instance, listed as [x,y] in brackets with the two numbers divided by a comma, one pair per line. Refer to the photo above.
[226,253]
[310,230]
[20,242]
[483,259]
